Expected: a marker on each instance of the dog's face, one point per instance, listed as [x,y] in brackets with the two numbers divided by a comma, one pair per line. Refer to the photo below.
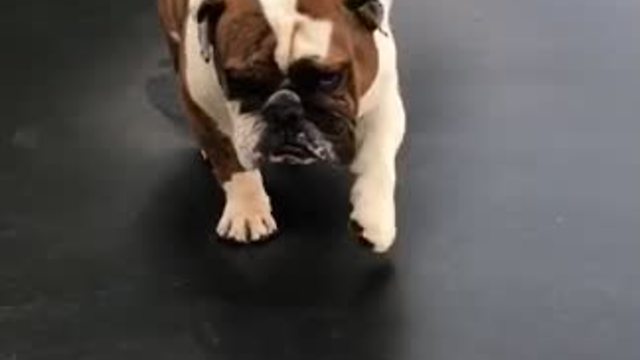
[294,72]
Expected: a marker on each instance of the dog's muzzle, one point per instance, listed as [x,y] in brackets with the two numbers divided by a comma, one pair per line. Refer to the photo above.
[291,137]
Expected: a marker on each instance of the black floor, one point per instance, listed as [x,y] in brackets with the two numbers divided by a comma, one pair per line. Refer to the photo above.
[519,199]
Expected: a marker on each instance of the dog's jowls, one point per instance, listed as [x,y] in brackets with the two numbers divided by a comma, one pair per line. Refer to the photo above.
[294,81]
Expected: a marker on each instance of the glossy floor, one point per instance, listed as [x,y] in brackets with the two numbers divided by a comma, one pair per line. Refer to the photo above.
[519,199]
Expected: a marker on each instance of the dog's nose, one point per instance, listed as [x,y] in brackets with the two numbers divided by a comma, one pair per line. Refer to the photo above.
[284,108]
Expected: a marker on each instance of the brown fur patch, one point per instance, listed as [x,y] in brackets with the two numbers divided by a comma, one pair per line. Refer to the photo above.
[245,41]
[350,40]
[218,148]
[172,15]
[242,25]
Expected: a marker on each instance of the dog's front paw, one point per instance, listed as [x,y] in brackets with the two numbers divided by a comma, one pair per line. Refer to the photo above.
[379,236]
[373,216]
[246,220]
[247,214]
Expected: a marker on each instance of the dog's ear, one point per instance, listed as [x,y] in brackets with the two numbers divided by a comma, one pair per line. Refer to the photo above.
[369,12]
[207,16]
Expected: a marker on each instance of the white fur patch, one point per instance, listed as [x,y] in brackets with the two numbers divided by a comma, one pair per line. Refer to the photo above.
[380,132]
[201,78]
[247,213]
[247,132]
[175,36]
[298,35]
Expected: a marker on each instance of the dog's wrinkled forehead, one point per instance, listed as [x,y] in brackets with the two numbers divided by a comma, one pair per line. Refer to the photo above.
[264,39]
[300,29]
[298,34]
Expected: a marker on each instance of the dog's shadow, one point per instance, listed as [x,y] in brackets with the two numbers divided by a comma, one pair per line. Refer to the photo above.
[162,93]
[311,289]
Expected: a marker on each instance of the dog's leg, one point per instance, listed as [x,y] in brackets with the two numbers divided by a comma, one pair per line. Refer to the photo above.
[380,134]
[247,213]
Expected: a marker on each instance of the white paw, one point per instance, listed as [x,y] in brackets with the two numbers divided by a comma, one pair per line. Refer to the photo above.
[247,213]
[374,214]
[244,222]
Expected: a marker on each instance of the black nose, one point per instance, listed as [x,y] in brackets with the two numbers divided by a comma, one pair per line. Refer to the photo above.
[284,108]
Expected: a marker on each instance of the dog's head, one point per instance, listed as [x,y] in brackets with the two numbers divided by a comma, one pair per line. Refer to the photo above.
[293,71]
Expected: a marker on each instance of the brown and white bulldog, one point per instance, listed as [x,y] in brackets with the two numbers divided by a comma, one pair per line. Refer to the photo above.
[294,81]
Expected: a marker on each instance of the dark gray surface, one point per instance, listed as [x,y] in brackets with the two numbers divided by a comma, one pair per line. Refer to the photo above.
[519,199]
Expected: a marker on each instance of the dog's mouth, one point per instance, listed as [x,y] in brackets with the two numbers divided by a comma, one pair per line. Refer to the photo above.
[302,153]
[291,159]
[296,154]
[306,147]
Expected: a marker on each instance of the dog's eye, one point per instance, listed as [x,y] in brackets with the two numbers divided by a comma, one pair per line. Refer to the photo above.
[330,81]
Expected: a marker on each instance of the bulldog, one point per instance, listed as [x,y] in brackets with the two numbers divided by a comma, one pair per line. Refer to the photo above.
[291,81]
